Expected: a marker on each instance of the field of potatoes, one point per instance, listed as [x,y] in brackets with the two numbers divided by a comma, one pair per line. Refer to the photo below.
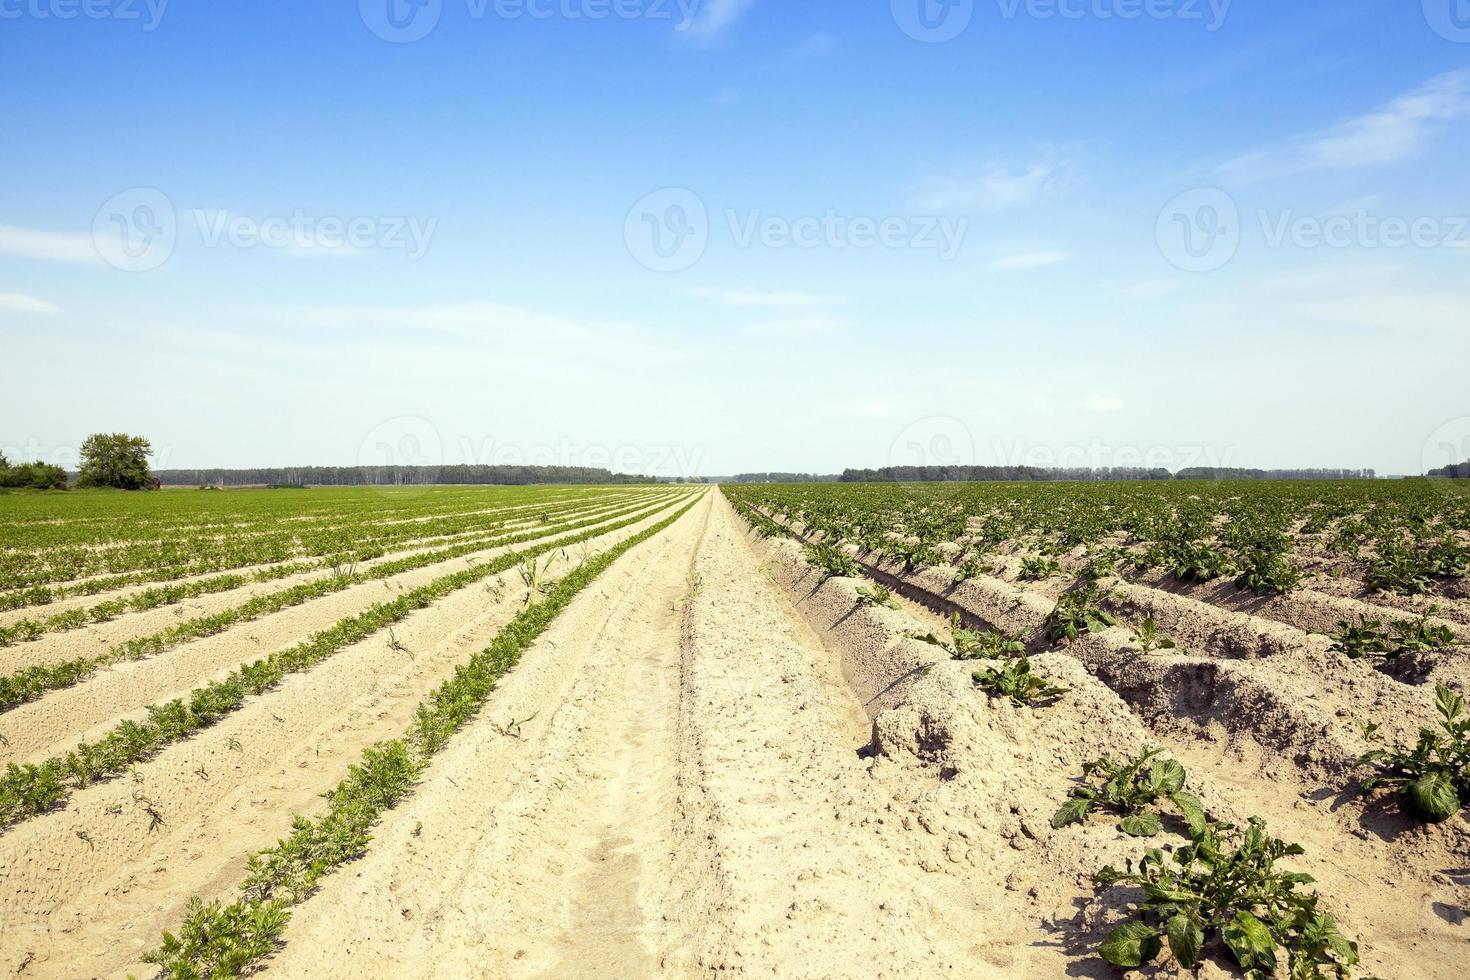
[983,730]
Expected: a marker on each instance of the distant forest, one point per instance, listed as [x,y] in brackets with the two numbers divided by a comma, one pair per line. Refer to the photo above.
[381,476]
[1455,471]
[1019,474]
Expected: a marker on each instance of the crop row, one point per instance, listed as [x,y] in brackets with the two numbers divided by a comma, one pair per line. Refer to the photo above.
[1224,885]
[1408,537]
[339,567]
[32,682]
[221,939]
[31,789]
[30,572]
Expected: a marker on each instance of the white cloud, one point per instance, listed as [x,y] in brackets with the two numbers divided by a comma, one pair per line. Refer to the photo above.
[1030,260]
[1390,134]
[21,303]
[816,46]
[1100,404]
[781,299]
[996,187]
[52,246]
[715,17]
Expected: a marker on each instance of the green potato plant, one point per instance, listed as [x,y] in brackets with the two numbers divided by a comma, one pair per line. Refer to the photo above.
[1432,778]
[1130,789]
[1225,884]
[1013,679]
[1077,613]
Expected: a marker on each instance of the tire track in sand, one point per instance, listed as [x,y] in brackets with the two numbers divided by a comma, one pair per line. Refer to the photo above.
[556,837]
[687,799]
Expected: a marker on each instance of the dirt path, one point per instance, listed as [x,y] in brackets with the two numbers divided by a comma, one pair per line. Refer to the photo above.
[558,836]
[688,798]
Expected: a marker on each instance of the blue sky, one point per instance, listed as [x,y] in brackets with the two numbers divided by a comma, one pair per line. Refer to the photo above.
[1075,231]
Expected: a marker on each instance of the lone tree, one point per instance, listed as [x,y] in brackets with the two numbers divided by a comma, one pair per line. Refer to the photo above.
[116,460]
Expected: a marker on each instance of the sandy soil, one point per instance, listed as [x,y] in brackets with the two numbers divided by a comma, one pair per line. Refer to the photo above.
[229,790]
[714,762]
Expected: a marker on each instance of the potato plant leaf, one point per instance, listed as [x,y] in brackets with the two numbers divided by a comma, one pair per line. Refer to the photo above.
[1072,811]
[1432,797]
[1141,824]
[1251,942]
[1191,809]
[1131,944]
[1185,939]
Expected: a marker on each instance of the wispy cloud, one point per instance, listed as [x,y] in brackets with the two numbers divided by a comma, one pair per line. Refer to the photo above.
[1030,260]
[715,17]
[20,303]
[52,246]
[509,330]
[818,45]
[996,187]
[1102,404]
[1148,289]
[1389,134]
[787,299]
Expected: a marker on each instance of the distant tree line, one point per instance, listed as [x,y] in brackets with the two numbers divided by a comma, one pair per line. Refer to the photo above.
[944,474]
[1455,471]
[1225,473]
[775,478]
[388,476]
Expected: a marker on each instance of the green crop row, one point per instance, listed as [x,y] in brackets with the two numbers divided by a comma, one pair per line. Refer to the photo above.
[28,790]
[224,940]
